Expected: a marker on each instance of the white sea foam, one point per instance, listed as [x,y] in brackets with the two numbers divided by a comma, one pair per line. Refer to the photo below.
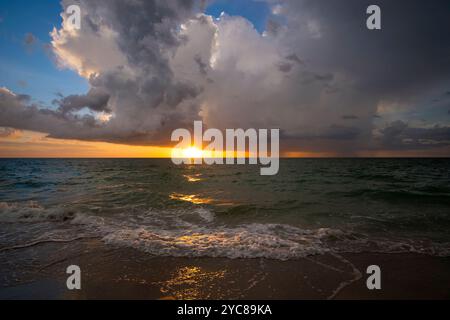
[31,211]
[196,233]
[247,241]
[256,240]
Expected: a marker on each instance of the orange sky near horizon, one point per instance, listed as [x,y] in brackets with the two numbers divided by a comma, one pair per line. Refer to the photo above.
[29,144]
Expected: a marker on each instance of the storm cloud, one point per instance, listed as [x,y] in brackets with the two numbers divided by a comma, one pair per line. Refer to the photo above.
[94,100]
[317,73]
[401,135]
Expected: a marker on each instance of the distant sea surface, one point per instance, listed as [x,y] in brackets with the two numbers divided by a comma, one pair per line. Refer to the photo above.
[312,206]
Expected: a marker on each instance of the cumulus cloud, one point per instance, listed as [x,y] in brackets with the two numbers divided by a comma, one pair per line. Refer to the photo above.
[316,73]
[123,49]
[19,112]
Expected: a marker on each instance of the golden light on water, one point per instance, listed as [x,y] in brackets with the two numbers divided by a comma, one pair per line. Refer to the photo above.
[193,282]
[193,177]
[192,198]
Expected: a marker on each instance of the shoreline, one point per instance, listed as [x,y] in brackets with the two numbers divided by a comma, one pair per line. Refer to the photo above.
[124,273]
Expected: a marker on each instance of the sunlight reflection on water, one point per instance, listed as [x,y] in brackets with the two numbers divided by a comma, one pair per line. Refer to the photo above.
[192,198]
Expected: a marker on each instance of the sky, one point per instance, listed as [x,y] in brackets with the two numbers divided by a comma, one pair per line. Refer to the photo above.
[28,67]
[137,70]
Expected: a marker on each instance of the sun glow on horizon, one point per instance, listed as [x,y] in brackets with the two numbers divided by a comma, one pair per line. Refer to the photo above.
[193,153]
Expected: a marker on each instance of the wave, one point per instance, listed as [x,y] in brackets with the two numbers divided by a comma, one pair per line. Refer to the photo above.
[31,211]
[256,240]
[171,234]
[196,233]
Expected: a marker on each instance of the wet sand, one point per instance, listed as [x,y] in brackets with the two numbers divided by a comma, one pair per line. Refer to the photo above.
[38,272]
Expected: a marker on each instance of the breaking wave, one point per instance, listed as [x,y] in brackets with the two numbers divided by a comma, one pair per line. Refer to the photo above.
[31,211]
[197,233]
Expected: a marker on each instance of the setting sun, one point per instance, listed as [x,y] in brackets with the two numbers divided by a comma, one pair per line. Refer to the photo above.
[195,153]
[192,152]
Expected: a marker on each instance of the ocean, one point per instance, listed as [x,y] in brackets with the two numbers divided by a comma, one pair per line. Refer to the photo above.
[313,206]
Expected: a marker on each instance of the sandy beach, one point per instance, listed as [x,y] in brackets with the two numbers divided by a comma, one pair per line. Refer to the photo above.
[117,273]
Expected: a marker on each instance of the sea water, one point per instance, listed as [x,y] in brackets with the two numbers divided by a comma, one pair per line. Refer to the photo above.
[312,206]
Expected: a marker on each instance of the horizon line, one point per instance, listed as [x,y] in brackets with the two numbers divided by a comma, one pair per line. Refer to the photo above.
[309,157]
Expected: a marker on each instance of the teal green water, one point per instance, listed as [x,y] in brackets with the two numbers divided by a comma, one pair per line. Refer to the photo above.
[312,206]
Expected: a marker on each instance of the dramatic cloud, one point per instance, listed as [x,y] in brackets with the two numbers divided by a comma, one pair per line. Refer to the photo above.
[123,49]
[317,73]
[95,100]
[18,112]
[400,135]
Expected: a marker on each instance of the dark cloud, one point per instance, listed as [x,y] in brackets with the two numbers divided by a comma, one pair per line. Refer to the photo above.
[333,132]
[295,58]
[17,112]
[400,135]
[350,117]
[397,66]
[285,66]
[203,67]
[157,65]
[410,52]
[95,100]
[272,27]
[23,98]
[309,77]
[129,74]
[343,132]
